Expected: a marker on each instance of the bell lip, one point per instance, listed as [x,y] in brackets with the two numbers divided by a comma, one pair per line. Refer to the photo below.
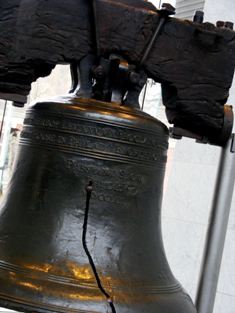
[21,306]
[96,106]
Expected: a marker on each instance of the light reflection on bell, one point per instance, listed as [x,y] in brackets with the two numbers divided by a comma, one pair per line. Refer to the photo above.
[65,144]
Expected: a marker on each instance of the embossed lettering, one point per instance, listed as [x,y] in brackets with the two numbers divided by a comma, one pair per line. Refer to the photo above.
[94,130]
[97,145]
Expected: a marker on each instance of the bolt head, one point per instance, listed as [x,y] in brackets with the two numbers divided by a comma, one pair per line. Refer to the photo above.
[167,9]
[198,17]
[220,24]
[229,25]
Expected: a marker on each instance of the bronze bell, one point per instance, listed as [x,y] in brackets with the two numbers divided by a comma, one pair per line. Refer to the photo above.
[55,255]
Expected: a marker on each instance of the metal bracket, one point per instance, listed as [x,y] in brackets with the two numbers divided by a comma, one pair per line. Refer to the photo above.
[178,133]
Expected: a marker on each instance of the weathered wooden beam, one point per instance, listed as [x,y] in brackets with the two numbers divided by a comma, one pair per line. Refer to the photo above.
[194,62]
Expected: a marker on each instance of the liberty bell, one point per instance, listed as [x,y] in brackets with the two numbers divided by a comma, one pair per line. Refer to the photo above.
[80,227]
[80,224]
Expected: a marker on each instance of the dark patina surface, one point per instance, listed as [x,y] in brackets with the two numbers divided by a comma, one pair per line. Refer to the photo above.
[43,266]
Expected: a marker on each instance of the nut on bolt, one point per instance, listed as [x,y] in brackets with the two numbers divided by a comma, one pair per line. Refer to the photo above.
[220,24]
[167,9]
[229,25]
[198,17]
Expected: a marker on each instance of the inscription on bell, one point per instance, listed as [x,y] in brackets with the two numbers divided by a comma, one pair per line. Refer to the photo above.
[113,186]
[108,131]
[93,144]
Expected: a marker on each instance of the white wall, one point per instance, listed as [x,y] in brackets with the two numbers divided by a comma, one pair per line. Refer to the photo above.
[221,10]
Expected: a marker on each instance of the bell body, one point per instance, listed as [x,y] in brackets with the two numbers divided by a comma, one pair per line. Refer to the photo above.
[44,267]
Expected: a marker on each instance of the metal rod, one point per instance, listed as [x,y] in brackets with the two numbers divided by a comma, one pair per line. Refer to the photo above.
[96,27]
[152,41]
[3,150]
[3,118]
[217,229]
[144,95]
[74,77]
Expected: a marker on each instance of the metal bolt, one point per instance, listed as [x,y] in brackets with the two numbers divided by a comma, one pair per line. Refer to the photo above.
[229,25]
[167,9]
[220,24]
[199,17]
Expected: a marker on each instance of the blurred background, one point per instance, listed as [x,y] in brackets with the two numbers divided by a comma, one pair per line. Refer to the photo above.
[191,170]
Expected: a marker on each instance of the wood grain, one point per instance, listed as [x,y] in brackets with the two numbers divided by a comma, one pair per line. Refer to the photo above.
[194,62]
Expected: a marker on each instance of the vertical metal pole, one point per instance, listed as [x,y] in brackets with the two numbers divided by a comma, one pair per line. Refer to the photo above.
[144,95]
[217,229]
[3,118]
[2,146]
